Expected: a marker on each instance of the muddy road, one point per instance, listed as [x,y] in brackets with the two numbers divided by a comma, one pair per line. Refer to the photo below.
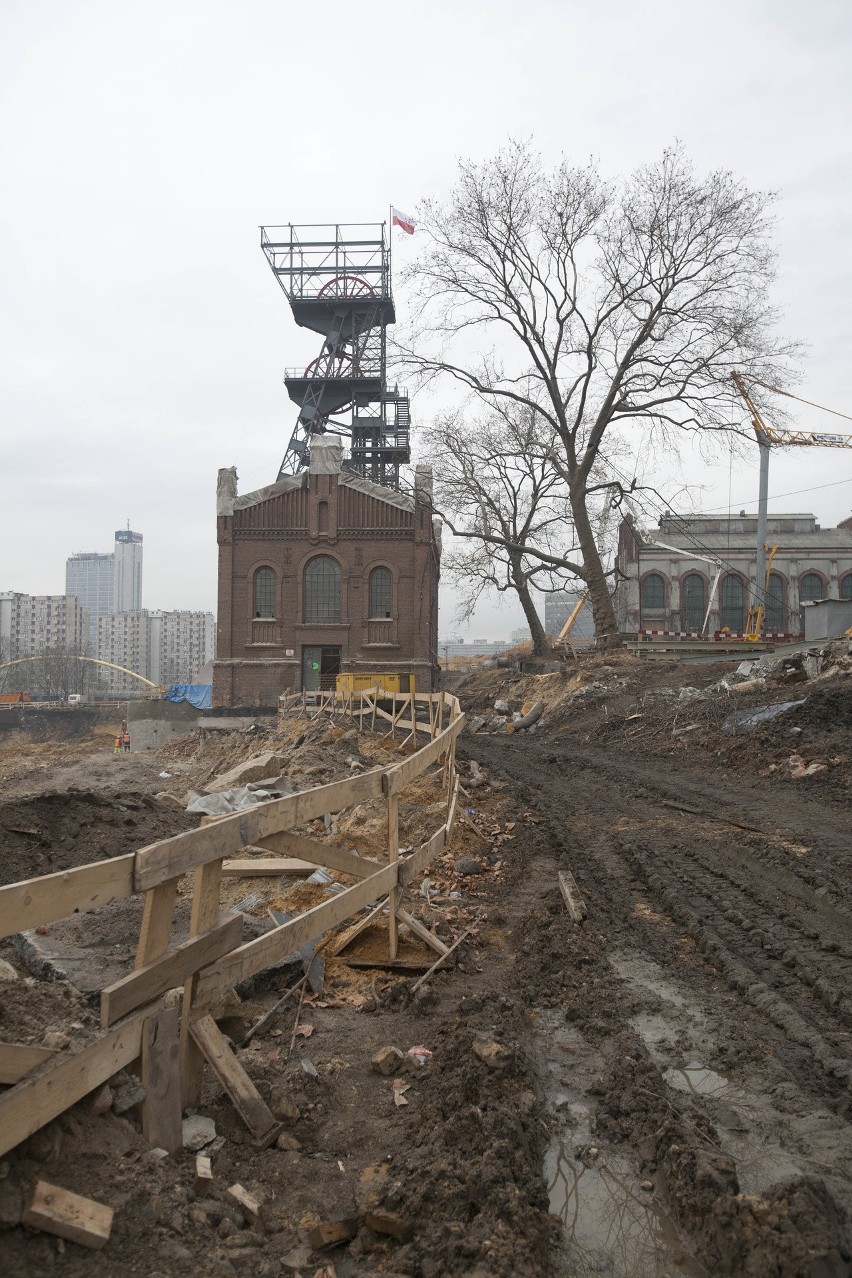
[694,1034]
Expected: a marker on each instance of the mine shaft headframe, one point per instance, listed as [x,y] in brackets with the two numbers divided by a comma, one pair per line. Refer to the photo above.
[337,279]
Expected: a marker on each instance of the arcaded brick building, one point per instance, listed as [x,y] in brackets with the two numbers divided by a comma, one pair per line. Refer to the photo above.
[320,573]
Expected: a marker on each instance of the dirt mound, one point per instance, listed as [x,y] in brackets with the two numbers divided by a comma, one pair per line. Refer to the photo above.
[59,831]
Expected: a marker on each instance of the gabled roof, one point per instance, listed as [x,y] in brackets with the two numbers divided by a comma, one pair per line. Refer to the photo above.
[403,501]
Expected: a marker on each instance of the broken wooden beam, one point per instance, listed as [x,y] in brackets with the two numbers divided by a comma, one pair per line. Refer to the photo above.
[18,1059]
[572,896]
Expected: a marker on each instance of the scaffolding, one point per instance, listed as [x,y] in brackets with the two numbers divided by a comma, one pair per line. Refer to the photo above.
[337,279]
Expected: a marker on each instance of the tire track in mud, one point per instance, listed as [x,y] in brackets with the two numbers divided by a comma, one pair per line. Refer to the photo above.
[724,909]
[766,913]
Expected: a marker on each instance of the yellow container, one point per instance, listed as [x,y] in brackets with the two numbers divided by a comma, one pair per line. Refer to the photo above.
[387,682]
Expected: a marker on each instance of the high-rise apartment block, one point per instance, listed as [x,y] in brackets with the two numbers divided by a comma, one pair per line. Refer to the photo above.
[165,647]
[30,624]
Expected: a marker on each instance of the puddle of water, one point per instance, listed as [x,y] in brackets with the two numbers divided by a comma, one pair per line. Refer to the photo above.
[697,1080]
[610,1226]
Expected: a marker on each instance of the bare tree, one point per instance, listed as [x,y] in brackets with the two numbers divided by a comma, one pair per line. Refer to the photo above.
[608,309]
[497,490]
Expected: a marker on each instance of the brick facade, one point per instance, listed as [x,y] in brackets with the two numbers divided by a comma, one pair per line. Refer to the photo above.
[359,526]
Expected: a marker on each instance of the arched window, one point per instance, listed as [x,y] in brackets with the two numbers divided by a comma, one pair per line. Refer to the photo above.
[773,616]
[652,593]
[264,593]
[693,602]
[732,611]
[381,593]
[811,587]
[846,587]
[322,590]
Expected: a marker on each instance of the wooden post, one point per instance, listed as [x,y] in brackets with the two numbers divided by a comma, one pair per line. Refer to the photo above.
[157,917]
[205,912]
[161,1113]
[393,856]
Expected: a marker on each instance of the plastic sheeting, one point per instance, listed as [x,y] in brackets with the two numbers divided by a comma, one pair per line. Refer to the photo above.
[199,695]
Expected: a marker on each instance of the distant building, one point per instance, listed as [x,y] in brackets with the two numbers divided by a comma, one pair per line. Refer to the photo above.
[558,608]
[88,577]
[476,648]
[31,624]
[165,647]
[124,639]
[107,583]
[127,578]
[181,645]
[669,589]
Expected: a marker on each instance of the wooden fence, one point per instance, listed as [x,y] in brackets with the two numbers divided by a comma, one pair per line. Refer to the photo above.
[140,1018]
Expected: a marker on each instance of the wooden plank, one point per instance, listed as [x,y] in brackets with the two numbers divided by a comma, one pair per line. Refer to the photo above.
[393,857]
[58,1211]
[427,937]
[36,902]
[329,854]
[61,1082]
[260,867]
[571,894]
[173,857]
[451,817]
[145,983]
[157,918]
[162,1111]
[256,955]
[416,986]
[412,865]
[19,1059]
[339,944]
[206,895]
[247,1099]
[403,773]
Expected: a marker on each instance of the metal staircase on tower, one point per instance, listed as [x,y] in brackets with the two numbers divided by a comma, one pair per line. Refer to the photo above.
[338,282]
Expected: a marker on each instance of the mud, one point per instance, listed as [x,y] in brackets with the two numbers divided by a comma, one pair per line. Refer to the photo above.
[662,1092]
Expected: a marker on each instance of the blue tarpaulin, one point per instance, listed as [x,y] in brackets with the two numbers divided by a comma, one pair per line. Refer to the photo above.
[199,695]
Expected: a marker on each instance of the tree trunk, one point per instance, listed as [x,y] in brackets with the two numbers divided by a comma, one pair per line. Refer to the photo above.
[607,638]
[541,643]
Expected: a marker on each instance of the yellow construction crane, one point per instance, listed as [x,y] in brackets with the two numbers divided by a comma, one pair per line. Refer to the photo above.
[767,437]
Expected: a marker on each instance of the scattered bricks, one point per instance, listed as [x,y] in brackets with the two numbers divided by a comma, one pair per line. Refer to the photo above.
[203,1175]
[492,1054]
[332,1233]
[390,1223]
[387,1060]
[243,1201]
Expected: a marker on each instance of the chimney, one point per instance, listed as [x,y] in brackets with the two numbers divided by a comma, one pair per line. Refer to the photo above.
[326,455]
[423,485]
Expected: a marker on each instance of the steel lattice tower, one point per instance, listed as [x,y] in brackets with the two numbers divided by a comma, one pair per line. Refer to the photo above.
[338,282]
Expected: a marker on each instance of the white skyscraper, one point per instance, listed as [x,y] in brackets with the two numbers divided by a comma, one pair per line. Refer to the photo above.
[127,574]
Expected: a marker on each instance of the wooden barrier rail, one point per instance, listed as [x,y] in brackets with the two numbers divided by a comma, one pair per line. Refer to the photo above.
[212,960]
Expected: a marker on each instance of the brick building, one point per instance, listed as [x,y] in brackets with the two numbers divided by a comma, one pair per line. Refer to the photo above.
[669,587]
[320,573]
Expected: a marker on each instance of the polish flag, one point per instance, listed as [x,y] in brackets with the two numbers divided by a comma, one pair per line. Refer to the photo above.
[402,220]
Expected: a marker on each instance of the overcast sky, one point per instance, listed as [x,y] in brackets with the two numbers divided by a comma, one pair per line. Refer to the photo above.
[143,337]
